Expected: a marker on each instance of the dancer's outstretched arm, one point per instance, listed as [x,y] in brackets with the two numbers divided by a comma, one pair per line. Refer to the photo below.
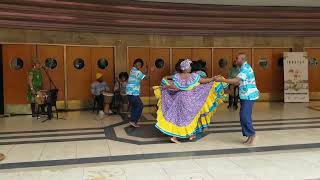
[234,81]
[206,80]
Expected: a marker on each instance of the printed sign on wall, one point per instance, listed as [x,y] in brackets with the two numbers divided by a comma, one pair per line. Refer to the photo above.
[296,85]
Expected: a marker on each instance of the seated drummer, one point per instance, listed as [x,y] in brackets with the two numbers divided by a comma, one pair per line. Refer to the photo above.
[99,87]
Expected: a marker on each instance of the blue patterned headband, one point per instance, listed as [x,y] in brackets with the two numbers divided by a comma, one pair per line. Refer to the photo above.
[186,64]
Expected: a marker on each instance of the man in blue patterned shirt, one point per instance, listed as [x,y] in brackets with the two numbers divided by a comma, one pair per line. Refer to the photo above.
[133,91]
[249,93]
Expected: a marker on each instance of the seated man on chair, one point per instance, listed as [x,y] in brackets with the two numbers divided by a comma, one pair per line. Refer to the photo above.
[99,87]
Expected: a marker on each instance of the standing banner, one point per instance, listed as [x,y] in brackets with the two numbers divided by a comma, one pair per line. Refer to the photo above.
[296,85]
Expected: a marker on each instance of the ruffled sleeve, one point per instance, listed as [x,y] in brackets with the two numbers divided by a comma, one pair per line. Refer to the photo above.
[186,84]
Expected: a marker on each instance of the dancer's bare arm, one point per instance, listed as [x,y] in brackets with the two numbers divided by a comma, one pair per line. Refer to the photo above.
[206,80]
[234,81]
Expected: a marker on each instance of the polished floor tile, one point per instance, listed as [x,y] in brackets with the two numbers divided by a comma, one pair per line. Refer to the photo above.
[160,148]
[104,172]
[288,136]
[120,148]
[145,171]
[55,151]
[173,168]
[24,153]
[94,148]
[22,175]
[62,174]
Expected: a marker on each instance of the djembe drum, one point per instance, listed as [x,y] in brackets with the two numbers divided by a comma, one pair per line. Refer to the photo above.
[107,101]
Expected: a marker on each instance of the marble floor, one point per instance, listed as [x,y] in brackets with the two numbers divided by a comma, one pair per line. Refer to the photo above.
[82,146]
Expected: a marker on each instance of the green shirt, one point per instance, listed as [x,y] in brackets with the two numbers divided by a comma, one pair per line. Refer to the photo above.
[234,71]
[36,83]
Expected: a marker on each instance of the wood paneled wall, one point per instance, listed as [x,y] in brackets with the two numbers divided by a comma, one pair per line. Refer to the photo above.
[16,81]
[314,69]
[269,79]
[204,54]
[56,74]
[154,74]
[78,80]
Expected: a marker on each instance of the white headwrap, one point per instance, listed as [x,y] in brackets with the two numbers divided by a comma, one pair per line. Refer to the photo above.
[186,64]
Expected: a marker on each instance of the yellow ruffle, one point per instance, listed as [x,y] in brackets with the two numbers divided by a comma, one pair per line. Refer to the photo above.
[174,130]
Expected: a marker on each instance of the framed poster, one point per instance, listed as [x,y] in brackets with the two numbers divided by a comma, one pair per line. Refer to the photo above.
[296,85]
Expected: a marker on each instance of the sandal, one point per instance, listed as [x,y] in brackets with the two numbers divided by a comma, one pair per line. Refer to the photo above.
[175,140]
[247,141]
[191,138]
[133,124]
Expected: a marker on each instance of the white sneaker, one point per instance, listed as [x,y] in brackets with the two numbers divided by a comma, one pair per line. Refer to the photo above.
[101,114]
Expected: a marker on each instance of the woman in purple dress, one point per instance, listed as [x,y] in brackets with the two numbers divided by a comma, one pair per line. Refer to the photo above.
[186,103]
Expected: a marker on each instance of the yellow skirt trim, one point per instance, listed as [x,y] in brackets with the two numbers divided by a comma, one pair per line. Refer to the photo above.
[198,122]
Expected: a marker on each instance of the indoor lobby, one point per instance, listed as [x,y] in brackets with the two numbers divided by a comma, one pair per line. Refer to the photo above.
[159,90]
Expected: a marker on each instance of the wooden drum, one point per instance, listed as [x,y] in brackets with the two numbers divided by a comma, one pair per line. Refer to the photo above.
[107,101]
[40,97]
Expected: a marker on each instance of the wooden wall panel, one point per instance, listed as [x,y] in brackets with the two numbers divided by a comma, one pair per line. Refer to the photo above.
[277,70]
[158,74]
[221,53]
[204,54]
[143,53]
[180,53]
[16,81]
[56,74]
[314,70]
[247,51]
[108,73]
[79,81]
[263,75]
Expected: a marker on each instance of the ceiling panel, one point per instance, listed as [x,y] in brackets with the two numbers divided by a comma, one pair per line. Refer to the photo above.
[307,3]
